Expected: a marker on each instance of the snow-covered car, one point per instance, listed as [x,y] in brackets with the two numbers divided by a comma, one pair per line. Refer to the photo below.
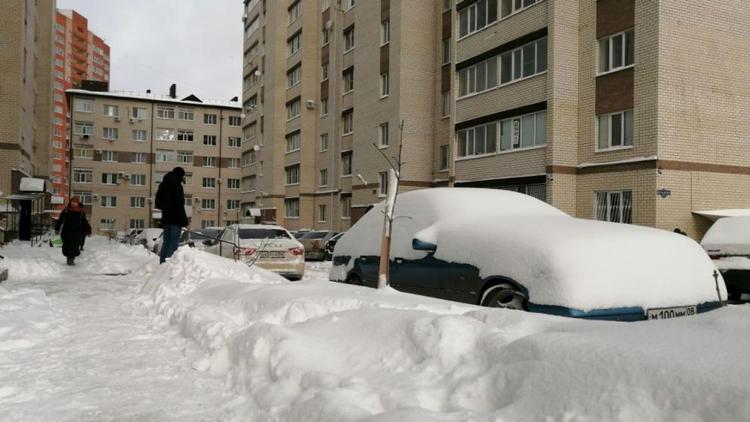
[148,238]
[268,246]
[331,244]
[504,249]
[727,242]
[314,243]
[131,235]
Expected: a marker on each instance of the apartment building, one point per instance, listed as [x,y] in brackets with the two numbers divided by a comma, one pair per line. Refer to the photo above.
[618,110]
[78,55]
[327,85]
[25,90]
[124,143]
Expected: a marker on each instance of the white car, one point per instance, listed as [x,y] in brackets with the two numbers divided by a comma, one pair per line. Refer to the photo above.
[268,246]
[727,242]
[505,249]
[148,238]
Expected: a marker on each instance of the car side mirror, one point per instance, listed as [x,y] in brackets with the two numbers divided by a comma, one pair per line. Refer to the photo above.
[421,245]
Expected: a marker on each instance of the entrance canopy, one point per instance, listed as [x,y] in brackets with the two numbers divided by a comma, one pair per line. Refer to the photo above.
[714,215]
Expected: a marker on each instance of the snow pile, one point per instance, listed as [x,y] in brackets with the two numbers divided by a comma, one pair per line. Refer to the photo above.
[26,262]
[321,351]
[102,256]
[26,318]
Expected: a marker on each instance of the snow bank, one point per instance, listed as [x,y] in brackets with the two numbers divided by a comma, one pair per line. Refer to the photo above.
[320,351]
[26,318]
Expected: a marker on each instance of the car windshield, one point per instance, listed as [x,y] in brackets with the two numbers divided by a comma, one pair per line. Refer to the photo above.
[300,235]
[263,234]
[314,235]
[206,234]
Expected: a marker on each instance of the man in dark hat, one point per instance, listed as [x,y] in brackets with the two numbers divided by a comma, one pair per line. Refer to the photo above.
[170,199]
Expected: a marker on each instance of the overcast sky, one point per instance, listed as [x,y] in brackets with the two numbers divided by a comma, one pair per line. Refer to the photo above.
[196,44]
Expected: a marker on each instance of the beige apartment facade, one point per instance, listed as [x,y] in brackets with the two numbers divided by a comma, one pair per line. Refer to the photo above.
[25,90]
[123,144]
[619,110]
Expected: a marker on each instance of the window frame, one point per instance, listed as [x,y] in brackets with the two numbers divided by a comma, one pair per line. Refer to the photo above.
[610,56]
[621,207]
[623,130]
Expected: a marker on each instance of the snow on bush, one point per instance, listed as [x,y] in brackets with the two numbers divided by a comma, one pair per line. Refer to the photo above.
[320,351]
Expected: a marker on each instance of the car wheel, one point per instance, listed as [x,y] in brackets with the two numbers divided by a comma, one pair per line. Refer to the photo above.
[504,296]
[354,279]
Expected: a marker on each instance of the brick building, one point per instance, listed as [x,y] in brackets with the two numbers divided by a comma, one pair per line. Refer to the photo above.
[79,55]
[124,143]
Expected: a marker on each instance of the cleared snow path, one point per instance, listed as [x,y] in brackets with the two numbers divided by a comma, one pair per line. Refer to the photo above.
[76,344]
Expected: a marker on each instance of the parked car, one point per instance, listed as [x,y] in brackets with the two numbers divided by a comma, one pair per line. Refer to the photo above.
[505,249]
[184,240]
[148,237]
[299,233]
[331,244]
[315,243]
[727,243]
[131,235]
[267,246]
[198,236]
[121,237]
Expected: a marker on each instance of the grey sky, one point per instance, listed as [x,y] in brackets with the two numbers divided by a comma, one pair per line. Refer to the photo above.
[196,44]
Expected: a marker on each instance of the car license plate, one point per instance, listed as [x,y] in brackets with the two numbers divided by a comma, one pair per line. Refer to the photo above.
[666,313]
[272,254]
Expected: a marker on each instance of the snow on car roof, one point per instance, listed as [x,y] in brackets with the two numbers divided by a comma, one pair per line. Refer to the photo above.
[729,234]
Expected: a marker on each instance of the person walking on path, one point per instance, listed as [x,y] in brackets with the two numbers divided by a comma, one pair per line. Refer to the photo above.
[72,227]
[170,199]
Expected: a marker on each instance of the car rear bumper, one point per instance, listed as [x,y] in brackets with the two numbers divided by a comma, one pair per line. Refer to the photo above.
[737,280]
[633,313]
[288,269]
[318,254]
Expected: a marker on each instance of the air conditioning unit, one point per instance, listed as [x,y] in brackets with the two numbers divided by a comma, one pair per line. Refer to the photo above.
[243,115]
[132,120]
[196,199]
[244,17]
[95,197]
[85,137]
[310,104]
[123,175]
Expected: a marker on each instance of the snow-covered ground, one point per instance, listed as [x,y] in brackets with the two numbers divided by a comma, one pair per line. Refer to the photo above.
[203,338]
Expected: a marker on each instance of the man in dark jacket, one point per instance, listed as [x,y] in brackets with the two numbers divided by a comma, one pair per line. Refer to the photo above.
[72,226]
[170,199]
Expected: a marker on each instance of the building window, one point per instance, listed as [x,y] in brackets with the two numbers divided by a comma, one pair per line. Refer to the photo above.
[293,108]
[515,133]
[233,183]
[385,32]
[616,51]
[323,107]
[164,112]
[385,86]
[84,128]
[209,183]
[324,142]
[82,175]
[109,178]
[137,202]
[325,36]
[185,114]
[446,51]
[233,163]
[293,142]
[164,156]
[185,157]
[251,104]
[235,121]
[109,156]
[185,135]
[477,16]
[348,4]
[383,140]
[209,119]
[139,135]
[348,39]
[323,181]
[324,71]
[248,184]
[294,76]
[444,157]
[107,224]
[478,140]
[109,201]
[445,108]
[234,141]
[208,204]
[524,61]
[292,175]
[615,206]
[84,152]
[138,157]
[509,7]
[348,76]
[615,130]
[293,11]
[209,140]
[164,134]
[383,183]
[209,161]
[111,110]
[85,197]
[294,43]
[252,27]
[233,204]
[348,122]
[137,223]
[346,207]
[110,133]
[138,179]
[346,163]
[291,208]
[138,113]
[84,106]
[322,213]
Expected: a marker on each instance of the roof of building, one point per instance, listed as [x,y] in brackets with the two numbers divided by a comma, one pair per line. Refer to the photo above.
[157,98]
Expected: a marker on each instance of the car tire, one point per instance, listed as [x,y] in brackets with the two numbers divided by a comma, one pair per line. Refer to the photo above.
[504,296]
[354,279]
